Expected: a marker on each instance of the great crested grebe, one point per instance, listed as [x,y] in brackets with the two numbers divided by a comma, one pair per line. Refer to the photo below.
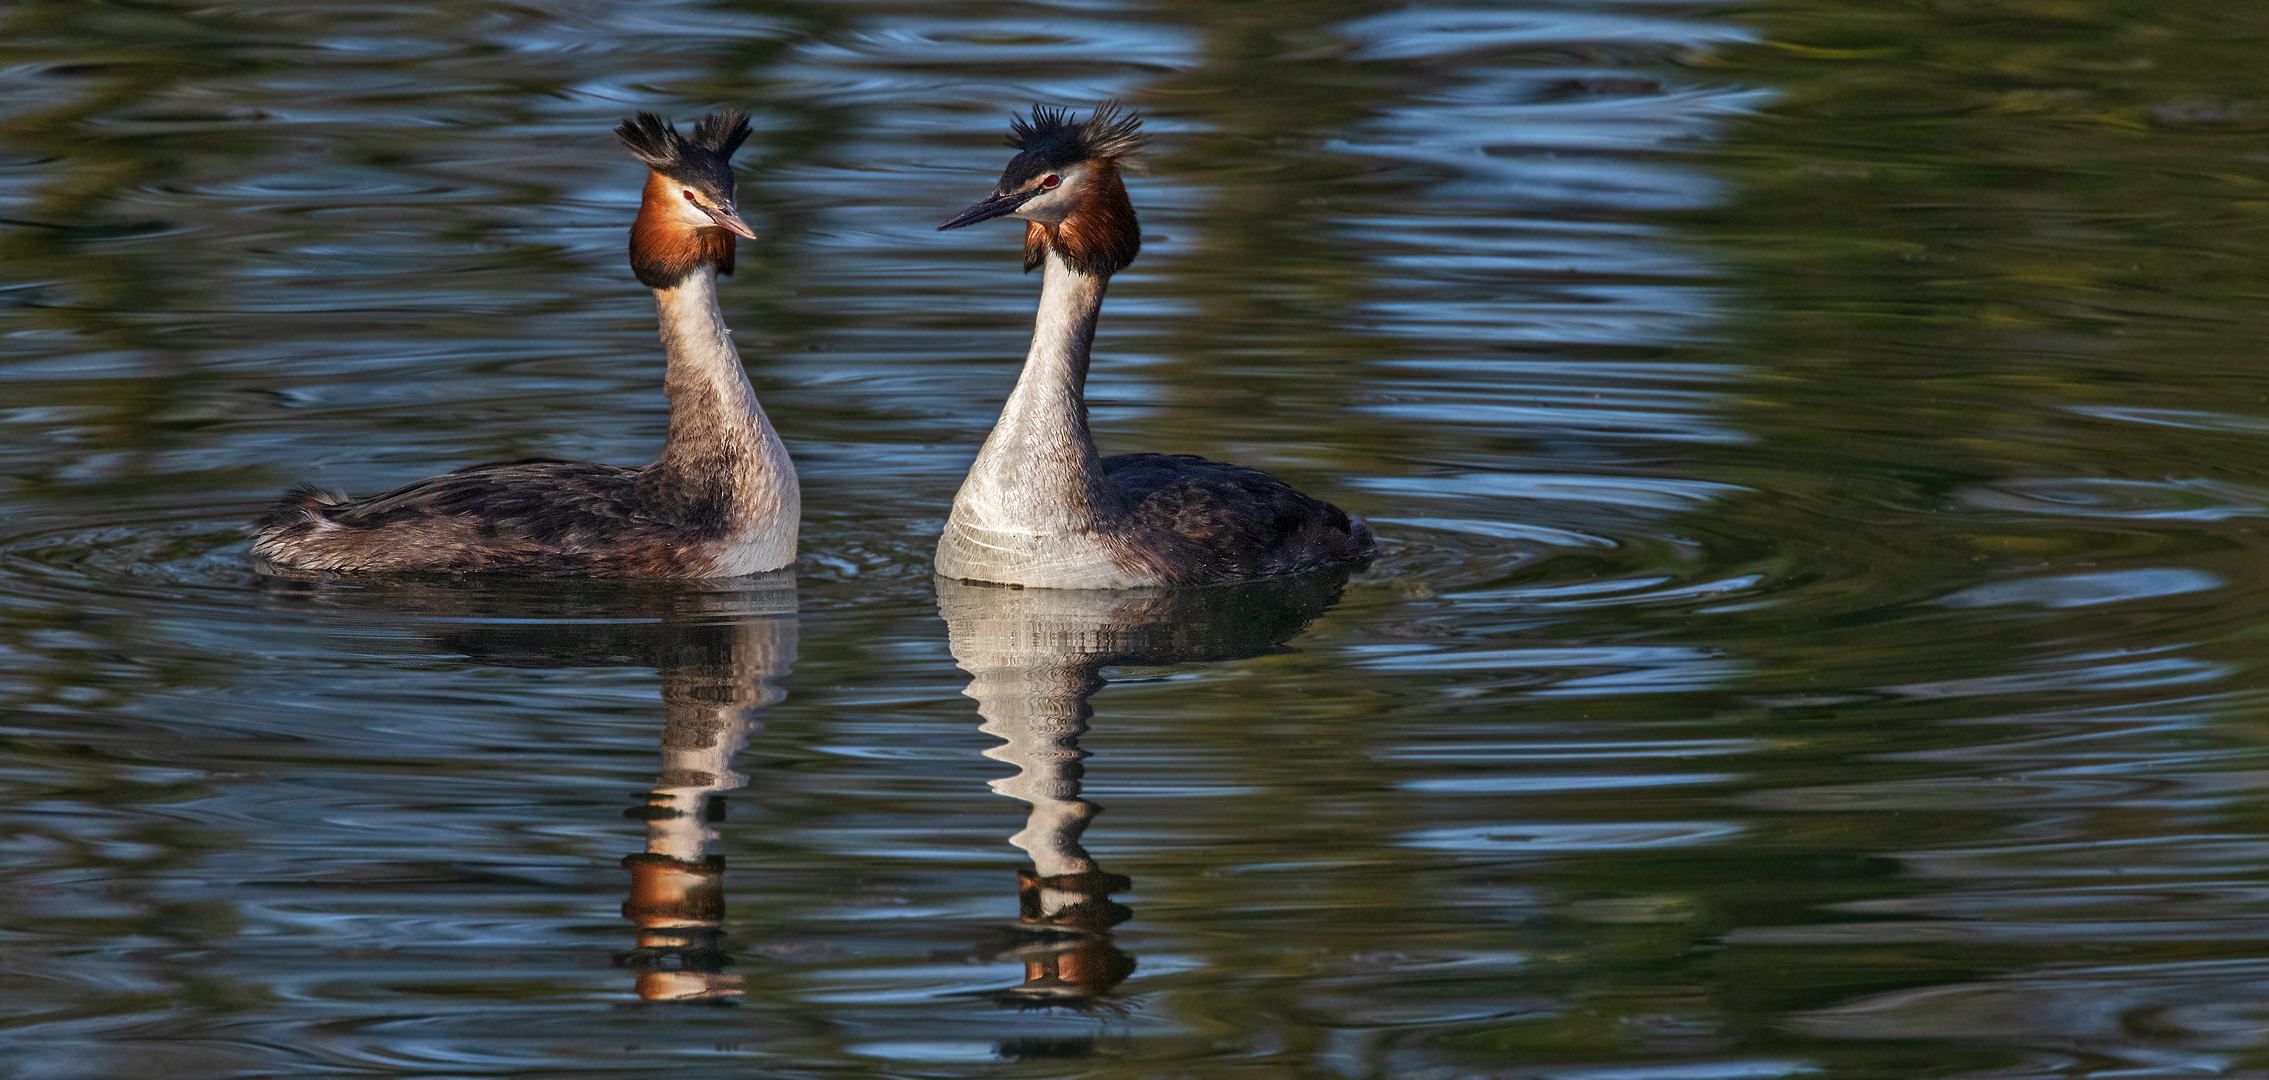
[1039,507]
[720,501]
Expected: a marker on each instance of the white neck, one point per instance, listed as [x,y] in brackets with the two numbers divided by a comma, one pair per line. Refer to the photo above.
[713,410]
[719,435]
[1038,472]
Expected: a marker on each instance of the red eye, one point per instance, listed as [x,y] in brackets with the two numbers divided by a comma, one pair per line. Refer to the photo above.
[1051,181]
[688,196]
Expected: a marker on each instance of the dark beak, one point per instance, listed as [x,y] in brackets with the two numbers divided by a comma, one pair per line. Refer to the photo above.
[988,208]
[726,219]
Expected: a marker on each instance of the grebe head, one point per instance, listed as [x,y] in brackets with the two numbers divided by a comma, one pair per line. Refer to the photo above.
[688,218]
[1064,184]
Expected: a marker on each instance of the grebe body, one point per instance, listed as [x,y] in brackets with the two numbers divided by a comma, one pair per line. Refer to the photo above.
[722,499]
[1040,508]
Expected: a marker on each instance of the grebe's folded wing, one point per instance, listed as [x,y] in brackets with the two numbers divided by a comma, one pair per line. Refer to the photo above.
[1206,522]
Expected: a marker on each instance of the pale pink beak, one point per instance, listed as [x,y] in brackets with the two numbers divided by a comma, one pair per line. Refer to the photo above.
[726,219]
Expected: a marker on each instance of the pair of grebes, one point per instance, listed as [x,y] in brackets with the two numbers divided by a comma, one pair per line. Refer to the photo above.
[1040,507]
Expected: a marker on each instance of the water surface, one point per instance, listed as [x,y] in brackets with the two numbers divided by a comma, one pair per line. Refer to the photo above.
[1818,446]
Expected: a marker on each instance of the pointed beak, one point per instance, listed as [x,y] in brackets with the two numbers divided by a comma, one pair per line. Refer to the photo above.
[727,219]
[988,208]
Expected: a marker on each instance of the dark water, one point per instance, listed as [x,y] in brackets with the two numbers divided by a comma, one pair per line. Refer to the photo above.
[1820,448]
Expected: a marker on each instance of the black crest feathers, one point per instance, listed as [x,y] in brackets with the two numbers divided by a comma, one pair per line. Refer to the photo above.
[1053,140]
[703,160]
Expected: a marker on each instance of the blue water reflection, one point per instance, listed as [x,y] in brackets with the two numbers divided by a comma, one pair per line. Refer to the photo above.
[1814,443]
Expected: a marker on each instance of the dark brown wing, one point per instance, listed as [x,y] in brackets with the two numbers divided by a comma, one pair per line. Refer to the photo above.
[538,515]
[1199,522]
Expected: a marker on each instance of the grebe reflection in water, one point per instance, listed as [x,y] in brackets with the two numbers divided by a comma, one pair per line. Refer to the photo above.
[722,499]
[1034,658]
[719,650]
[720,656]
[712,689]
